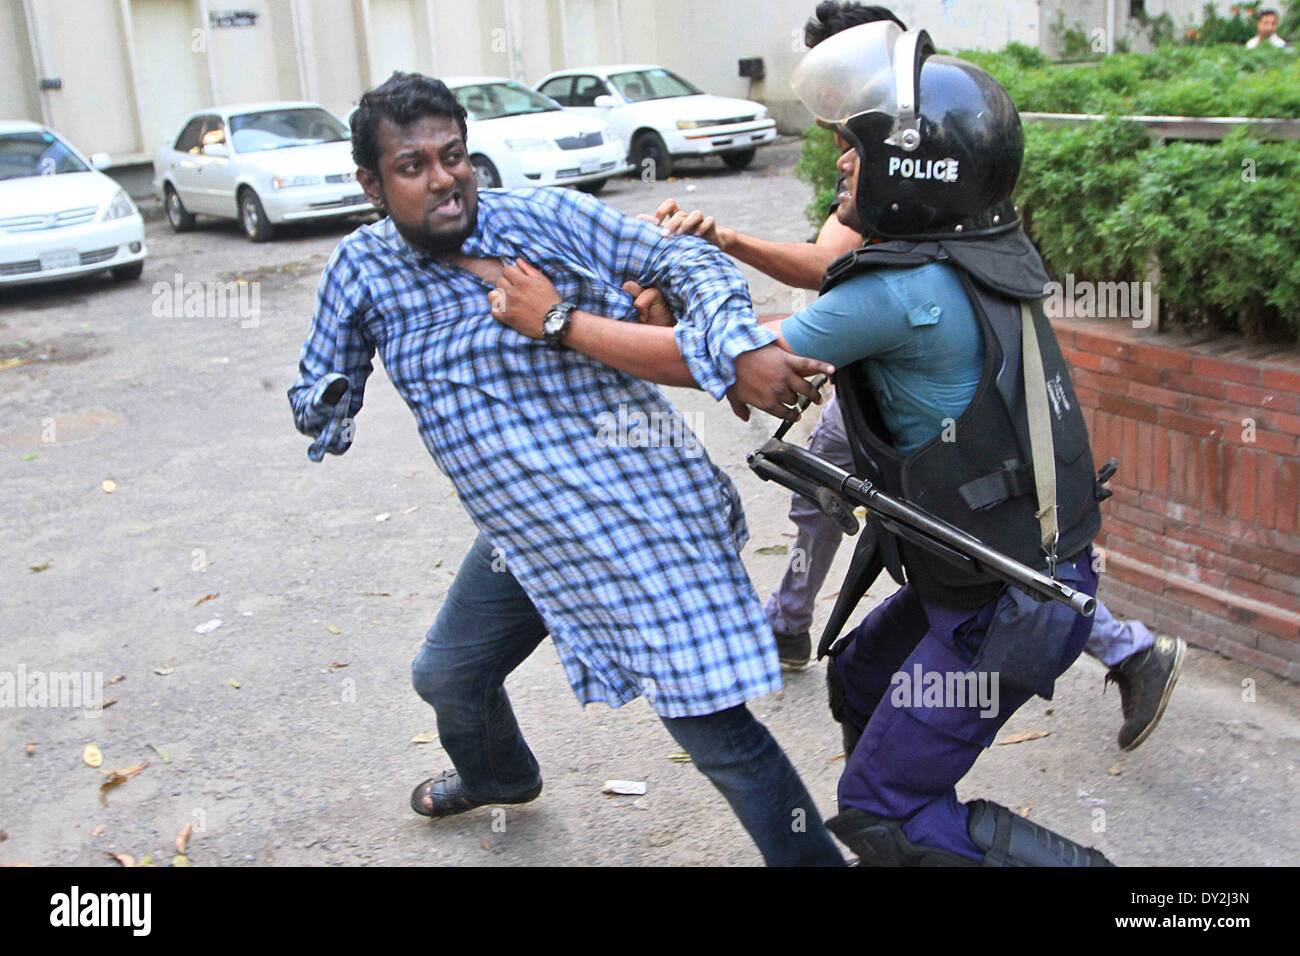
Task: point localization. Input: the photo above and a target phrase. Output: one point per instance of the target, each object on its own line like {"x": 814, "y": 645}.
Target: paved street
{"x": 280, "y": 756}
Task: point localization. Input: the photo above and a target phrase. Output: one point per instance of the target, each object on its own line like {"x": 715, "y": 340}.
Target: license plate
{"x": 354, "y": 200}
{"x": 590, "y": 166}
{"x": 62, "y": 259}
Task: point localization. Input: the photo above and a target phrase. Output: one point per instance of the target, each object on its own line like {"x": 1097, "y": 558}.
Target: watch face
{"x": 553, "y": 322}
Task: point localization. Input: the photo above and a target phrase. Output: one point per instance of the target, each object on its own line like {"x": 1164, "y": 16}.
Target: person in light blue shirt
{"x": 919, "y": 335}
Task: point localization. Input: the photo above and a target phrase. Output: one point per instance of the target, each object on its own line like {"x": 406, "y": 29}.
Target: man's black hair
{"x": 1261, "y": 14}
{"x": 402, "y": 98}
{"x": 833, "y": 16}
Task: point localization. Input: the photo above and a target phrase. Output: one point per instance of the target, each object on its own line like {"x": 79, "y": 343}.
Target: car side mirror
{"x": 216, "y": 149}
{"x": 604, "y": 102}
{"x": 101, "y": 161}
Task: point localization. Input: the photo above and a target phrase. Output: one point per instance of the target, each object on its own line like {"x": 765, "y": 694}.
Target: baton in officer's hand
{"x": 800, "y": 405}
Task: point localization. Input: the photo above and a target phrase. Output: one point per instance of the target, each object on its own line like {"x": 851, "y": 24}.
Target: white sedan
{"x": 262, "y": 164}
{"x": 518, "y": 138}
{"x": 59, "y": 215}
{"x": 662, "y": 116}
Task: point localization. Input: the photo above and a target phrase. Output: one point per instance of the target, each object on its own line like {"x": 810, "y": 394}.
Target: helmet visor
{"x": 850, "y": 73}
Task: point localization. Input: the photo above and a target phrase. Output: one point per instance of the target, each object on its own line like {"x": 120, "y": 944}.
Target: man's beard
{"x": 440, "y": 243}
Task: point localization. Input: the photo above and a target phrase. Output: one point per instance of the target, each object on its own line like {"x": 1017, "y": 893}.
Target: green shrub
{"x": 816, "y": 167}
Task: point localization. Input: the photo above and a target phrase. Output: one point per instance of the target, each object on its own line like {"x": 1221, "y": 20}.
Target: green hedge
{"x": 1172, "y": 81}
{"x": 1102, "y": 201}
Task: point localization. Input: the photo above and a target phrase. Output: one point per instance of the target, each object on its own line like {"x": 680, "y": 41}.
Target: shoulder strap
{"x": 1041, "y": 446}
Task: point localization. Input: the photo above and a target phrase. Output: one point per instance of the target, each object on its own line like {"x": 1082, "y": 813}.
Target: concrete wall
{"x": 132, "y": 68}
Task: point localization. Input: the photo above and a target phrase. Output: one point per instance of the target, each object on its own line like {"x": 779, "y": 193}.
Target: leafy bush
{"x": 816, "y": 167}
{"x": 1104, "y": 201}
{"x": 1222, "y": 220}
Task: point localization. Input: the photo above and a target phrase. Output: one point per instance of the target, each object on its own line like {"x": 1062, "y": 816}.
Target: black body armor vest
{"x": 981, "y": 479}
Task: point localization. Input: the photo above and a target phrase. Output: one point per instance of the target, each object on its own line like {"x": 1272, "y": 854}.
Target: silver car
{"x": 263, "y": 164}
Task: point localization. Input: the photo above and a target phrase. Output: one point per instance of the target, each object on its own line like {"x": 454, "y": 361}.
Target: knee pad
{"x": 879, "y": 841}
{"x": 1008, "y": 839}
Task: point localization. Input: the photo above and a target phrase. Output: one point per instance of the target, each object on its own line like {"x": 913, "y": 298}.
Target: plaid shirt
{"x": 631, "y": 554}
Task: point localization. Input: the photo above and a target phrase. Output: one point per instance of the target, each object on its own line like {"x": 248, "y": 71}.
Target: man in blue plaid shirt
{"x": 626, "y": 551}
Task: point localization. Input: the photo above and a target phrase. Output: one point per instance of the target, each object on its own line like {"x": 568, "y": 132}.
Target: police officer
{"x": 956, "y": 397}
{"x": 1144, "y": 668}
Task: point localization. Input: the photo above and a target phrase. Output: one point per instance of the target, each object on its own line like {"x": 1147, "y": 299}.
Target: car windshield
{"x": 656, "y": 84}
{"x": 489, "y": 101}
{"x": 283, "y": 129}
{"x": 36, "y": 153}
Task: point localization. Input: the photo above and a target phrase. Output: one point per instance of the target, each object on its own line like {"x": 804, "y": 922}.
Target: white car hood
{"x": 705, "y": 106}
{"x": 37, "y": 195}
{"x": 549, "y": 125}
{"x": 323, "y": 159}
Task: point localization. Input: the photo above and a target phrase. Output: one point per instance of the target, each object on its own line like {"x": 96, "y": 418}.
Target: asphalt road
{"x": 277, "y": 755}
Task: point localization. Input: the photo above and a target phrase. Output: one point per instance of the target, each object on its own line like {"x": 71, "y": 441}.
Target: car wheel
{"x": 485, "y": 174}
{"x": 252, "y": 217}
{"x": 739, "y": 159}
{"x": 593, "y": 186}
{"x": 649, "y": 148}
{"x": 128, "y": 272}
{"x": 178, "y": 217}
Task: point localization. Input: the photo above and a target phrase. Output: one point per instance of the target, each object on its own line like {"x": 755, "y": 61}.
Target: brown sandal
{"x": 448, "y": 797}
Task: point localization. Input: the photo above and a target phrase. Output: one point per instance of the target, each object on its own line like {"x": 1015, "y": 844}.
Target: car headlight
{"x": 120, "y": 207}
{"x": 289, "y": 182}
{"x": 530, "y": 145}
{"x": 762, "y": 114}
{"x": 688, "y": 124}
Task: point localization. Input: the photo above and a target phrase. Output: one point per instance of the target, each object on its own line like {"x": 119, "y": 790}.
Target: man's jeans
{"x": 485, "y": 629}
{"x": 790, "y": 608}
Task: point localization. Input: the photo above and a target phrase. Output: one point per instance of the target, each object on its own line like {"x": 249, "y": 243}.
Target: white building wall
{"x": 129, "y": 72}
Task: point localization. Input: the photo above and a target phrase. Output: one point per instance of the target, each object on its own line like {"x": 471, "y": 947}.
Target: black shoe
{"x": 794, "y": 649}
{"x": 1146, "y": 681}
{"x": 449, "y": 798}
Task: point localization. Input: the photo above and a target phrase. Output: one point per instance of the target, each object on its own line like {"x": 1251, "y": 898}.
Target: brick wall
{"x": 1202, "y": 536}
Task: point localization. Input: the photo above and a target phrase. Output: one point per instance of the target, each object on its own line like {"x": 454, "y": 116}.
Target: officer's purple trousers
{"x": 912, "y": 751}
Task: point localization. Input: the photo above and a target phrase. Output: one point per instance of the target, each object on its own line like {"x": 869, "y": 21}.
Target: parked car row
{"x": 267, "y": 164}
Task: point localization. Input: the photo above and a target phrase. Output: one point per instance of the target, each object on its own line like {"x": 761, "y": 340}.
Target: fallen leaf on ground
{"x": 109, "y": 486}
{"x": 38, "y": 568}
{"x": 206, "y": 598}
{"x": 661, "y": 839}
{"x": 1022, "y": 737}
{"x": 680, "y": 758}
{"x": 183, "y": 838}
{"x": 98, "y": 829}
{"x": 411, "y": 510}
{"x": 10, "y": 363}
{"x": 837, "y": 757}
{"x": 92, "y": 756}
{"x": 163, "y": 755}
{"x": 109, "y": 702}
{"x": 234, "y": 683}
{"x": 123, "y": 859}
{"x": 1026, "y": 809}
{"x": 775, "y": 549}
{"x": 1115, "y": 771}
{"x": 115, "y": 680}
{"x": 163, "y": 671}
{"x": 338, "y": 665}
{"x": 624, "y": 788}
{"x": 426, "y": 737}
{"x": 118, "y": 777}
{"x": 30, "y": 456}
{"x": 333, "y": 628}
{"x": 31, "y": 750}
{"x": 181, "y": 860}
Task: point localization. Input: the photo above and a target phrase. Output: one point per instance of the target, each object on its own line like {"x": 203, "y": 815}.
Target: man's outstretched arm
{"x": 334, "y": 363}
{"x": 768, "y": 378}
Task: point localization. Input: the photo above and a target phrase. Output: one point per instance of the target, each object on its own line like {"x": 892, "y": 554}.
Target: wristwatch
{"x": 556, "y": 324}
